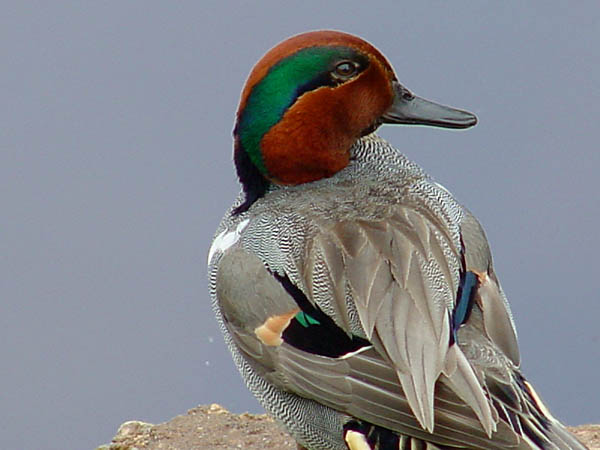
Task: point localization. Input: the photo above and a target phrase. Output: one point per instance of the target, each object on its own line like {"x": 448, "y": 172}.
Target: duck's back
{"x": 339, "y": 300}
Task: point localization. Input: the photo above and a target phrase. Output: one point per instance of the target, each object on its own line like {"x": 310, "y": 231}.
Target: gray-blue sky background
{"x": 115, "y": 169}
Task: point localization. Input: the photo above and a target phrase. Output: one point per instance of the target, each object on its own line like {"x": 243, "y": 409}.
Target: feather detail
{"x": 399, "y": 277}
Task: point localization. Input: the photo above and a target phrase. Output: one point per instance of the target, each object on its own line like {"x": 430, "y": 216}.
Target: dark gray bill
{"x": 410, "y": 109}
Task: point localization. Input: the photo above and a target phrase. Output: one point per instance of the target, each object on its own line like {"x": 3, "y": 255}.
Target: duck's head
{"x": 309, "y": 99}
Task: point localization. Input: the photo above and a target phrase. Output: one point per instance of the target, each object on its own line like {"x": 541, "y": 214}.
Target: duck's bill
{"x": 412, "y": 110}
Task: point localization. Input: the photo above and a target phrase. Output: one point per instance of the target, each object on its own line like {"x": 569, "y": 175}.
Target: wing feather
{"x": 403, "y": 287}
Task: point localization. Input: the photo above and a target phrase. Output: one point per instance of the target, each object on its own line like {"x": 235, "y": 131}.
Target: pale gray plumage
{"x": 379, "y": 248}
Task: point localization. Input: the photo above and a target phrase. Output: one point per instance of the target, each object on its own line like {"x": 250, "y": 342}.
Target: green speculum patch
{"x": 303, "y": 71}
{"x": 306, "y": 320}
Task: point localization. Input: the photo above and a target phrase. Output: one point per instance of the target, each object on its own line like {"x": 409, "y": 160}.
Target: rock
{"x": 205, "y": 427}
{"x": 213, "y": 427}
{"x": 588, "y": 434}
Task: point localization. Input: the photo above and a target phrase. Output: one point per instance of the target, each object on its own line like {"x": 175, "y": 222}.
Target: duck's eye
{"x": 345, "y": 69}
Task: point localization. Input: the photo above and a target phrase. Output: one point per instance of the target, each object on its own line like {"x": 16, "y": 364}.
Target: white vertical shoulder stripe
{"x": 226, "y": 239}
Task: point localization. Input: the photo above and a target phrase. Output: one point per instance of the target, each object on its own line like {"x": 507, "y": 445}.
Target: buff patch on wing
{"x": 270, "y": 332}
{"x": 356, "y": 441}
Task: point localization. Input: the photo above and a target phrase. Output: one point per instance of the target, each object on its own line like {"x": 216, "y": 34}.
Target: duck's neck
{"x": 254, "y": 184}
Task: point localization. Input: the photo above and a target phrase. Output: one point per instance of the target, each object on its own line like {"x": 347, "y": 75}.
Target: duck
{"x": 357, "y": 296}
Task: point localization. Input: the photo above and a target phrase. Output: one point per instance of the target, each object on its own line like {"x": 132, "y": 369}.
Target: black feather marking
{"x": 502, "y": 413}
{"x": 537, "y": 411}
{"x": 513, "y": 420}
{"x": 531, "y": 434}
{"x": 377, "y": 437}
{"x": 322, "y": 336}
{"x": 380, "y": 438}
{"x": 254, "y": 184}
{"x": 506, "y": 394}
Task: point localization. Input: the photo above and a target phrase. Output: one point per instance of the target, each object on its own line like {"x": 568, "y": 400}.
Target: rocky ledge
{"x": 213, "y": 427}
